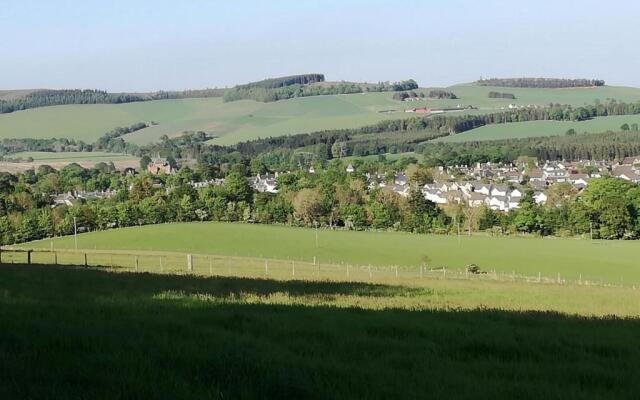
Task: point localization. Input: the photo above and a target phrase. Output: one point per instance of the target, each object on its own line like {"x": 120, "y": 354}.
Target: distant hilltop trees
{"x": 288, "y": 87}
{"x": 498, "y": 95}
{"x": 47, "y": 97}
{"x": 442, "y": 94}
{"x": 551, "y": 83}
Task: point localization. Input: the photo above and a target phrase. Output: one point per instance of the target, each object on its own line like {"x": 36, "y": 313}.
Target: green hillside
{"x": 542, "y": 128}
{"x": 247, "y": 119}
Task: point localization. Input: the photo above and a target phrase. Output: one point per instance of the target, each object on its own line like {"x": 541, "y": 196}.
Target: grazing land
{"x": 97, "y": 334}
{"x": 517, "y": 130}
{"x": 244, "y": 120}
{"x": 604, "y": 261}
{"x": 60, "y": 160}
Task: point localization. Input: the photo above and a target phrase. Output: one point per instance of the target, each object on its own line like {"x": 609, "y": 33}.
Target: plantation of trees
{"x": 441, "y": 94}
{"x": 551, "y": 83}
{"x": 498, "y": 95}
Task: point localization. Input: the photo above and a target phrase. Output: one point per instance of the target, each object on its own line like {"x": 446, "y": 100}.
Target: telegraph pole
{"x": 75, "y": 233}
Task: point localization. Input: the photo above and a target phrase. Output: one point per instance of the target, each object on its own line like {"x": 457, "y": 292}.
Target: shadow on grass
{"x": 73, "y": 333}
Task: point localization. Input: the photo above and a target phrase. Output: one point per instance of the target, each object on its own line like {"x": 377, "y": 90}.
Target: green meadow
{"x": 605, "y": 261}
{"x": 86, "y": 333}
{"x": 517, "y": 130}
{"x": 245, "y": 120}
{"x": 72, "y": 156}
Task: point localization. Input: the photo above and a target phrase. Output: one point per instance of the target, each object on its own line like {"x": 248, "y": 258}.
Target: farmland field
{"x": 60, "y": 160}
{"x": 542, "y": 128}
{"x": 96, "y": 334}
{"x": 244, "y": 120}
{"x": 608, "y": 261}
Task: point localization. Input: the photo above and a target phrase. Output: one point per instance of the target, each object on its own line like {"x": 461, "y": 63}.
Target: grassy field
{"x": 73, "y": 156}
{"x": 542, "y": 128}
{"x": 85, "y": 333}
{"x": 243, "y": 120}
{"x": 608, "y": 261}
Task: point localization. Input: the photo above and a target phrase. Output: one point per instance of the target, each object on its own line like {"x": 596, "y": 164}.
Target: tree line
{"x": 498, "y": 95}
{"x": 441, "y": 94}
{"x": 602, "y": 146}
{"x": 552, "y": 83}
{"x": 608, "y": 208}
{"x": 45, "y": 98}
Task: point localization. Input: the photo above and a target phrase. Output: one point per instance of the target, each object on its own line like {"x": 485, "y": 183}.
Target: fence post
{"x": 190, "y": 262}
{"x": 266, "y": 267}
{"x": 86, "y": 264}
{"x": 347, "y": 271}
{"x": 444, "y": 272}
{"x": 370, "y": 272}
{"x": 210, "y": 266}
{"x": 136, "y": 263}
{"x": 318, "y": 270}
{"x": 396, "y": 271}
{"x": 293, "y": 268}
{"x": 539, "y": 277}
{"x": 161, "y": 266}
{"x": 29, "y": 257}
{"x": 580, "y": 280}
{"x": 314, "y": 260}
{"x": 558, "y": 277}
{"x": 55, "y": 258}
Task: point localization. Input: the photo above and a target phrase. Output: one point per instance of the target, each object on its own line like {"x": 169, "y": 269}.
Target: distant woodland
{"x": 498, "y": 95}
{"x": 44, "y": 98}
{"x": 289, "y": 87}
{"x": 551, "y": 83}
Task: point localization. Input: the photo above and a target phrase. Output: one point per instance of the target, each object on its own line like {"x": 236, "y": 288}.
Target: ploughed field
{"x": 612, "y": 262}
{"x": 244, "y": 120}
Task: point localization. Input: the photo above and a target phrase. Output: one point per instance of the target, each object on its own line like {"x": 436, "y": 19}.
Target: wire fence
{"x": 252, "y": 267}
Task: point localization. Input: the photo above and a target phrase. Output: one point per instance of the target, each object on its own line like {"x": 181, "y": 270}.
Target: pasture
{"x": 606, "y": 261}
{"x": 517, "y": 130}
{"x": 60, "y": 160}
{"x": 89, "y": 333}
{"x": 245, "y": 120}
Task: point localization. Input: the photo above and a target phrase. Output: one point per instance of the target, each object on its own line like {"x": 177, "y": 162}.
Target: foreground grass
{"x": 74, "y": 333}
{"x": 607, "y": 261}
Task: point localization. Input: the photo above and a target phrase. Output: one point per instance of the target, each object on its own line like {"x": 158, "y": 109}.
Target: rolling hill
{"x": 247, "y": 119}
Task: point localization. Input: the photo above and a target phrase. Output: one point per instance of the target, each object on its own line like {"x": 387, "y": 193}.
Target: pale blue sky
{"x": 149, "y": 45}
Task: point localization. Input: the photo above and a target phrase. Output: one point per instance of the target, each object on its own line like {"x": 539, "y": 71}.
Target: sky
{"x": 137, "y": 45}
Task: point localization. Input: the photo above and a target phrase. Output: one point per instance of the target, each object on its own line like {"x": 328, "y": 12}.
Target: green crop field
{"x": 72, "y": 156}
{"x": 542, "y": 128}
{"x": 244, "y": 120}
{"x": 71, "y": 333}
{"x": 608, "y": 261}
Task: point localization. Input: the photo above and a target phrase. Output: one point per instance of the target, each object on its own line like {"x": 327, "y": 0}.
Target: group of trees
{"x": 601, "y": 146}
{"x": 441, "y": 94}
{"x": 47, "y": 97}
{"x": 402, "y": 96}
{"x": 498, "y": 95}
{"x": 540, "y": 82}
{"x": 608, "y": 208}
{"x": 307, "y": 85}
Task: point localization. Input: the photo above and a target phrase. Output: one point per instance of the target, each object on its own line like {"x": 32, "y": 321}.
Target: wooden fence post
{"x": 85, "y": 260}
{"x": 318, "y": 270}
{"x": 55, "y": 258}
{"x": 293, "y": 268}
{"x": 136, "y": 263}
{"x": 539, "y": 277}
{"x": 210, "y": 266}
{"x": 347, "y": 271}
{"x": 266, "y": 267}
{"x": 190, "y": 262}
{"x": 396, "y": 271}
{"x": 29, "y": 257}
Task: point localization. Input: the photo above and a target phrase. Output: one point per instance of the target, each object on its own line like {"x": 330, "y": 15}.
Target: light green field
{"x": 542, "y": 128}
{"x": 73, "y": 156}
{"x": 611, "y": 261}
{"x": 244, "y": 120}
